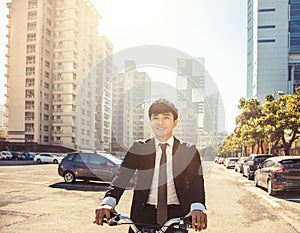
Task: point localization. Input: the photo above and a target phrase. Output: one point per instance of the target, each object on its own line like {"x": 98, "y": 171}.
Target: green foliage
{"x": 275, "y": 121}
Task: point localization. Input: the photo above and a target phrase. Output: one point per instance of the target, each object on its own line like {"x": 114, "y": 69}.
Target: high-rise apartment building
{"x": 2, "y": 117}
{"x": 131, "y": 99}
{"x": 211, "y": 116}
{"x": 104, "y": 75}
{"x": 273, "y": 60}
{"x": 50, "y": 81}
{"x": 190, "y": 85}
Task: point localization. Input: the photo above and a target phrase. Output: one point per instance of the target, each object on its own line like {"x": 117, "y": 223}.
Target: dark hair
{"x": 163, "y": 106}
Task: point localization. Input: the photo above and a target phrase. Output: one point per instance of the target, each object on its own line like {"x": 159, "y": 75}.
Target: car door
{"x": 101, "y": 168}
{"x": 80, "y": 165}
{"x": 265, "y": 170}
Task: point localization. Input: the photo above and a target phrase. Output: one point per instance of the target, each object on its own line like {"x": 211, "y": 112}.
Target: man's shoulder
{"x": 143, "y": 146}
{"x": 186, "y": 146}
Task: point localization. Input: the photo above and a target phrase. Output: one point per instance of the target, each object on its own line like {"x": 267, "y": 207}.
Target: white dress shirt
{"x": 171, "y": 192}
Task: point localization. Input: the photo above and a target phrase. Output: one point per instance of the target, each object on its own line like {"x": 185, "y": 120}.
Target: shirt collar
{"x": 170, "y": 142}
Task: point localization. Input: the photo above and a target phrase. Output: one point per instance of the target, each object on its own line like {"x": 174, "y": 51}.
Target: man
{"x": 153, "y": 201}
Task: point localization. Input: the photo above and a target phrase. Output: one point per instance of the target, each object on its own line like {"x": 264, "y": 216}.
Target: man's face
{"x": 162, "y": 125}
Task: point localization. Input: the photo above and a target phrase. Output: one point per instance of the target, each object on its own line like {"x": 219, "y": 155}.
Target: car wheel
{"x": 55, "y": 161}
{"x": 269, "y": 189}
{"x": 69, "y": 177}
{"x": 38, "y": 161}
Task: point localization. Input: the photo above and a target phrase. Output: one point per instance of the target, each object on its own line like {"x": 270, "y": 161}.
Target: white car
{"x": 6, "y": 155}
{"x": 47, "y": 158}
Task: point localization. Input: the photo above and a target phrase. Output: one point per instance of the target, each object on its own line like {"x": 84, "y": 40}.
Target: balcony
{"x": 58, "y": 121}
{"x": 57, "y": 142}
{"x": 58, "y": 132}
{"x": 58, "y": 99}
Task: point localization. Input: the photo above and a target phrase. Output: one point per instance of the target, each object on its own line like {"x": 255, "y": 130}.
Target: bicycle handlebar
{"x": 180, "y": 223}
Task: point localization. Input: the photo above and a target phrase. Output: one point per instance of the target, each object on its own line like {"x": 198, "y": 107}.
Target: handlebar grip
{"x": 187, "y": 220}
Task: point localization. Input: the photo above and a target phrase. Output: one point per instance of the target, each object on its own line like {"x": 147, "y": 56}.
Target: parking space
{"x": 34, "y": 198}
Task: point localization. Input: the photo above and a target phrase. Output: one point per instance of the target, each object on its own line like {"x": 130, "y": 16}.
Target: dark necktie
{"x": 162, "y": 212}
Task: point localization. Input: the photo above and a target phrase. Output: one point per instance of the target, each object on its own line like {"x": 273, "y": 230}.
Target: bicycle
{"x": 180, "y": 225}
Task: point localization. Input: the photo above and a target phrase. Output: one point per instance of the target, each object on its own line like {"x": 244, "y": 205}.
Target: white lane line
{"x": 29, "y": 182}
{"x": 273, "y": 203}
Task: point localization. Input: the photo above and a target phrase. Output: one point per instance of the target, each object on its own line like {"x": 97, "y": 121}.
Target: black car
{"x": 88, "y": 166}
{"x": 27, "y": 155}
{"x": 251, "y": 164}
{"x": 279, "y": 174}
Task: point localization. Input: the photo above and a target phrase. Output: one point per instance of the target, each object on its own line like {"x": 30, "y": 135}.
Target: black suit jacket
{"x": 140, "y": 158}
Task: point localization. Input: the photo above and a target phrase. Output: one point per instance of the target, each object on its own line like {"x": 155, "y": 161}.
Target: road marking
{"x": 28, "y": 182}
{"x": 273, "y": 203}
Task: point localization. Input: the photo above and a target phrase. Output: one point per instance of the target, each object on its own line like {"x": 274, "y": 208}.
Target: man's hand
{"x": 199, "y": 220}
{"x": 101, "y": 212}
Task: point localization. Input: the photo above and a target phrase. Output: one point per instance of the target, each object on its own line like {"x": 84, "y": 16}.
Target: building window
{"x": 31, "y": 37}
{"x": 46, "y": 85}
{"x": 30, "y": 60}
{"x": 46, "y": 139}
{"x": 30, "y": 71}
{"x": 47, "y": 64}
{"x": 267, "y": 10}
{"x": 46, "y": 117}
{"x": 266, "y": 26}
{"x": 31, "y": 26}
{"x": 30, "y": 49}
{"x": 31, "y": 15}
{"x": 48, "y": 32}
{"x": 266, "y": 41}
{"x": 46, "y": 128}
{"x": 32, "y": 4}
{"x": 46, "y": 106}
{"x": 47, "y": 74}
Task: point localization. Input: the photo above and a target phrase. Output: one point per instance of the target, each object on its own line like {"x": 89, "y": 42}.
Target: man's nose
{"x": 160, "y": 121}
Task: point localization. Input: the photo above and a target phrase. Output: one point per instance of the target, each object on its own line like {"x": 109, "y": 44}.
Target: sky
{"x": 214, "y": 29}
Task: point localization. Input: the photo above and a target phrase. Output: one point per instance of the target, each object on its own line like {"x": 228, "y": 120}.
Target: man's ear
{"x": 176, "y": 122}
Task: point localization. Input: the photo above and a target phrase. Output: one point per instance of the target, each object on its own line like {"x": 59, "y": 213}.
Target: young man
{"x": 160, "y": 194}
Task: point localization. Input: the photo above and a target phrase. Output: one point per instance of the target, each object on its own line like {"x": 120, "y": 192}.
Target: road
{"x": 35, "y": 199}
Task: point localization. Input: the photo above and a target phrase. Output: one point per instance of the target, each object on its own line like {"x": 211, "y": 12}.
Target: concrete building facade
{"x": 131, "y": 99}
{"x": 104, "y": 76}
{"x": 50, "y": 80}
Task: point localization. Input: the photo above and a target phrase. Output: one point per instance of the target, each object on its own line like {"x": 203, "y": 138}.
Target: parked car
{"x": 88, "y": 166}
{"x": 26, "y": 155}
{"x": 221, "y": 160}
{"x": 47, "y": 158}
{"x": 279, "y": 174}
{"x": 238, "y": 166}
{"x": 251, "y": 164}
{"x": 229, "y": 162}
{"x": 6, "y": 155}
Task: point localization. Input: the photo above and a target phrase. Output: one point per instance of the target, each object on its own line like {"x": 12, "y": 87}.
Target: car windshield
{"x": 112, "y": 158}
{"x": 260, "y": 159}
